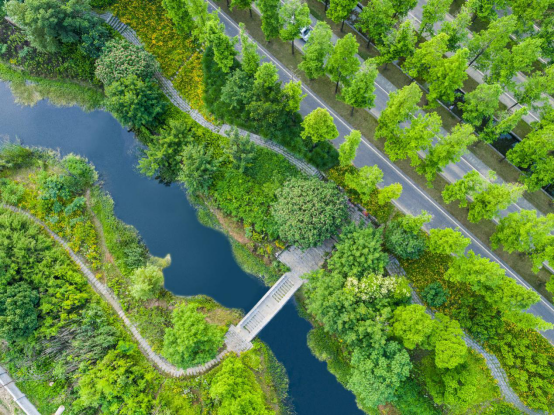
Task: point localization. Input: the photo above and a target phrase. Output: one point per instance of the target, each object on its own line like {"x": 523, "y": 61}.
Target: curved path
{"x": 19, "y": 398}
{"x": 161, "y": 363}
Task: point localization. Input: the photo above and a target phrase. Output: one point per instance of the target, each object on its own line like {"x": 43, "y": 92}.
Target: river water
{"x": 202, "y": 260}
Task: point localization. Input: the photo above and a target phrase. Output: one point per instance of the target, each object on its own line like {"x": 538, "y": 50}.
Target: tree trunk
{"x": 342, "y": 26}
{"x": 338, "y": 80}
{"x": 477, "y": 57}
{"x": 386, "y": 65}
{"x": 250, "y": 10}
{"x": 227, "y": 3}
{"x": 368, "y": 41}
{"x": 292, "y": 46}
{"x": 352, "y": 112}
{"x": 326, "y": 5}
{"x": 516, "y": 103}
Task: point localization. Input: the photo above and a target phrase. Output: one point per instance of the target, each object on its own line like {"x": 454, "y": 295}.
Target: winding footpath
{"x": 105, "y": 292}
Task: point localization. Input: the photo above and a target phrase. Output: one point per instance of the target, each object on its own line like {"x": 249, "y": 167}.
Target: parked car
{"x": 305, "y": 33}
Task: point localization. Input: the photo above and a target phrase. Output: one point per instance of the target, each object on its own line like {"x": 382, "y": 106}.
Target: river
{"x": 202, "y": 260}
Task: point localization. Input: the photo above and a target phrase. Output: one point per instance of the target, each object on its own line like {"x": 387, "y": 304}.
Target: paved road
{"x": 413, "y": 199}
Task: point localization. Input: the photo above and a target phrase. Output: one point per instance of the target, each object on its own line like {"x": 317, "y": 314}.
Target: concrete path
{"x": 6, "y": 382}
{"x": 105, "y": 292}
{"x": 413, "y": 199}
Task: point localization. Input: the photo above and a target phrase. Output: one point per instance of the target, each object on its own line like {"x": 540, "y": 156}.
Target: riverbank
{"x": 114, "y": 257}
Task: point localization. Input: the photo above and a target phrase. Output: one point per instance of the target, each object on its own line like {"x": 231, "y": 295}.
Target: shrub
{"x": 309, "y": 211}
{"x": 121, "y": 59}
{"x": 404, "y": 244}
{"x": 435, "y": 295}
{"x": 359, "y": 252}
{"x": 147, "y": 281}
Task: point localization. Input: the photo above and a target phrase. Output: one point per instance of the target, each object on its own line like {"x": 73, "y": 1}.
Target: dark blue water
{"x": 202, "y": 260}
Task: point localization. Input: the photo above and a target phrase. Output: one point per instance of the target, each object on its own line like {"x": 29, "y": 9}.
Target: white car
{"x": 305, "y": 33}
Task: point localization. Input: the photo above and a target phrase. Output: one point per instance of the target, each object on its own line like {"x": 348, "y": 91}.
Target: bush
{"x": 435, "y": 295}
{"x": 404, "y": 244}
{"x": 309, "y": 211}
{"x": 147, "y": 282}
{"x": 359, "y": 252}
{"x": 121, "y": 59}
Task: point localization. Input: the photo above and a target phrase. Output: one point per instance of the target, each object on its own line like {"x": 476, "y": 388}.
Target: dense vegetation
{"x": 76, "y": 347}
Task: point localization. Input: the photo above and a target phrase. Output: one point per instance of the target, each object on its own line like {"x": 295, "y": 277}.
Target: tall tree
{"x": 506, "y": 124}
{"x": 198, "y": 10}
{"x": 448, "y": 150}
{"x": 178, "y": 12}
{"x": 270, "y": 18}
{"x": 446, "y": 77}
{"x": 364, "y": 180}
{"x": 250, "y": 58}
{"x": 339, "y": 10}
{"x": 536, "y": 154}
{"x": 319, "y": 126}
{"x": 223, "y": 46}
{"x": 347, "y": 150}
{"x": 480, "y": 105}
{"x": 418, "y": 136}
{"x": 402, "y": 103}
{"x": 241, "y": 149}
{"x": 18, "y": 311}
{"x": 388, "y": 193}
{"x": 447, "y": 241}
{"x": 486, "y": 45}
{"x": 316, "y": 50}
{"x": 528, "y": 233}
{"x": 293, "y": 16}
{"x": 360, "y": 92}
{"x": 242, "y": 5}
{"x": 147, "y": 282}
{"x": 198, "y": 166}
{"x": 398, "y": 44}
{"x": 433, "y": 12}
{"x": 472, "y": 183}
{"x": 376, "y": 20}
{"x": 457, "y": 30}
{"x": 292, "y": 94}
{"x": 426, "y": 56}
{"x": 343, "y": 63}
{"x": 402, "y": 7}
{"x": 508, "y": 63}
{"x": 535, "y": 88}
{"x": 529, "y": 11}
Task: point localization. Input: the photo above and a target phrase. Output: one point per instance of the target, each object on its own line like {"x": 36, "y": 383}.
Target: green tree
{"x": 506, "y": 124}
{"x": 147, "y": 282}
{"x": 448, "y": 150}
{"x": 388, "y": 193}
{"x": 198, "y": 166}
{"x": 250, "y": 59}
{"x": 413, "y": 326}
{"x": 402, "y": 7}
{"x": 191, "y": 340}
{"x": 528, "y": 233}
{"x": 418, "y": 136}
{"x": 339, "y": 10}
{"x": 529, "y": 11}
{"x": 343, "y": 63}
{"x": 433, "y": 12}
{"x": 316, "y": 50}
{"x": 486, "y": 45}
{"x": 376, "y": 375}
{"x": 121, "y": 59}
{"x": 480, "y": 105}
{"x": 292, "y": 93}
{"x": 457, "y": 29}
{"x": 399, "y": 43}
{"x": 223, "y": 46}
{"x": 318, "y": 126}
{"x": 435, "y": 295}
{"x": 242, "y": 5}
{"x": 364, "y": 180}
{"x": 413, "y": 224}
{"x": 241, "y": 149}
{"x": 135, "y": 103}
{"x": 49, "y": 24}
{"x": 447, "y": 241}
{"x": 376, "y": 20}
{"x": 426, "y": 56}
{"x": 270, "y": 18}
{"x": 18, "y": 311}
{"x": 360, "y": 92}
{"x": 402, "y": 103}
{"x": 359, "y": 252}
{"x": 198, "y": 10}
{"x": 347, "y": 150}
{"x": 472, "y": 183}
{"x": 447, "y": 76}
{"x": 535, "y": 153}
{"x": 293, "y": 16}
{"x": 509, "y": 62}
{"x": 177, "y": 11}
{"x": 403, "y": 243}
{"x": 448, "y": 342}
{"x": 308, "y": 228}
{"x": 236, "y": 390}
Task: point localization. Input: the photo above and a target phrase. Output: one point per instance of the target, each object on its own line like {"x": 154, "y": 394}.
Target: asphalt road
{"x": 413, "y": 199}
